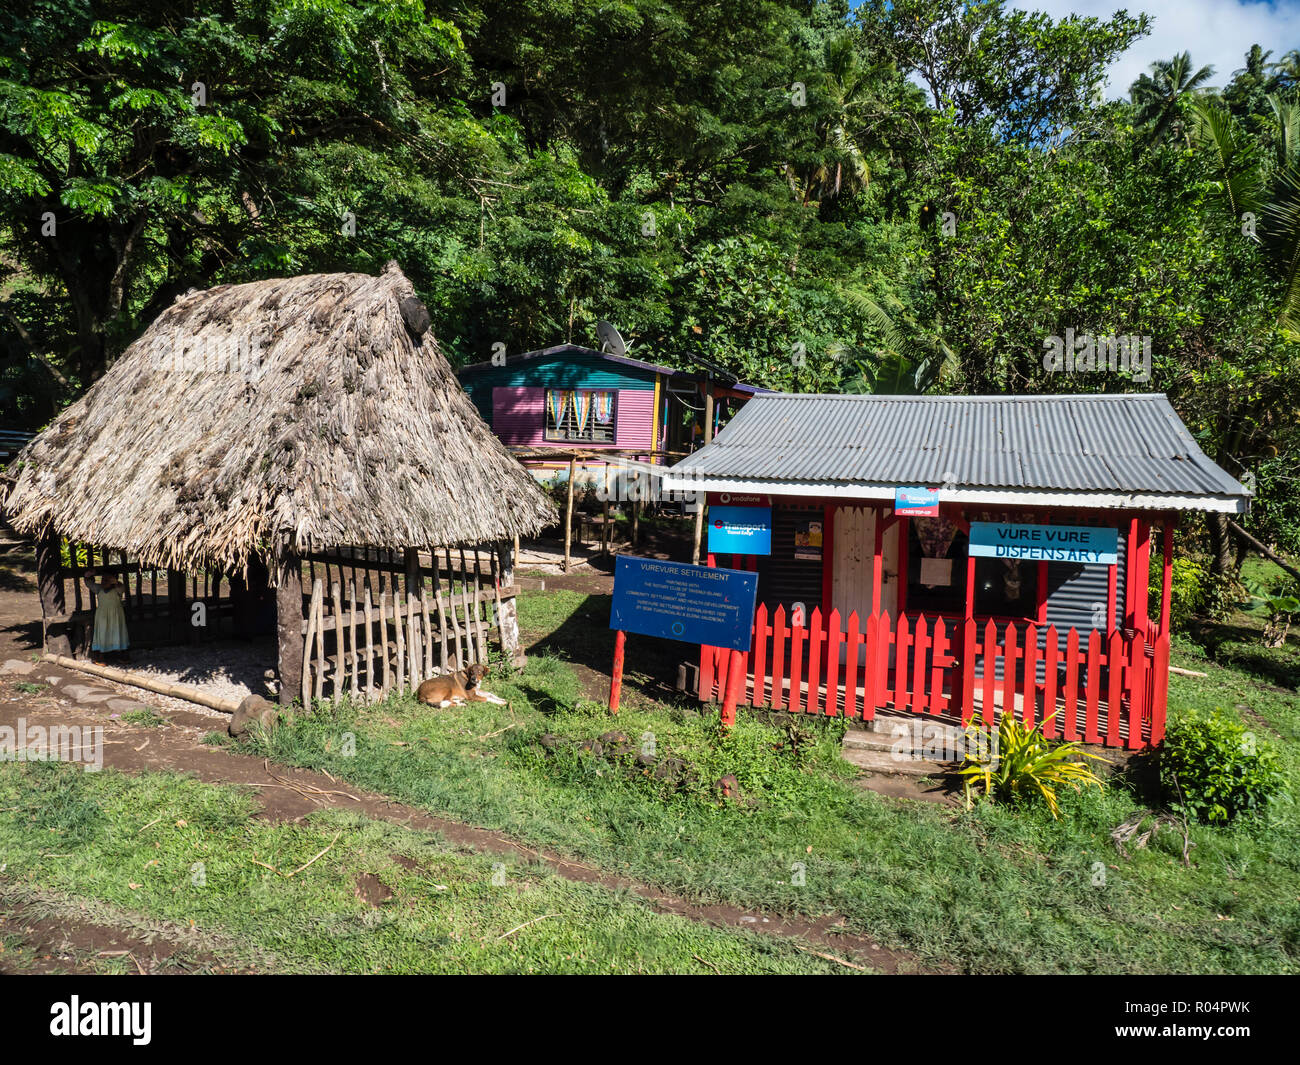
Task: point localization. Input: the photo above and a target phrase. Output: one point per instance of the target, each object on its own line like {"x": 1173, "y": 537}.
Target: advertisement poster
{"x": 808, "y": 541}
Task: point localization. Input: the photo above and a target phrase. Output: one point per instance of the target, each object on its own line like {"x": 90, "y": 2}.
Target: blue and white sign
{"x": 916, "y": 502}
{"x": 679, "y": 601}
{"x": 740, "y": 530}
{"x": 1050, "y": 543}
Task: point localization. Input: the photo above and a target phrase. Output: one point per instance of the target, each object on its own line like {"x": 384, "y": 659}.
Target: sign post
{"x": 616, "y": 674}
{"x": 679, "y": 601}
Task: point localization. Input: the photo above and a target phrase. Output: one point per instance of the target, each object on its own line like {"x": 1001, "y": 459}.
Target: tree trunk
{"x": 50, "y": 584}
{"x": 1221, "y": 553}
{"x": 288, "y": 624}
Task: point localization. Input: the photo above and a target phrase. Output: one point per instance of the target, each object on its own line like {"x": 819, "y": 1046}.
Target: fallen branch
{"x": 525, "y": 925}
{"x": 322, "y": 853}
{"x": 831, "y": 957}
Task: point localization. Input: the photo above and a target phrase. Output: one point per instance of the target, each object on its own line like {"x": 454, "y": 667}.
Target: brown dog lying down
{"x": 456, "y": 689}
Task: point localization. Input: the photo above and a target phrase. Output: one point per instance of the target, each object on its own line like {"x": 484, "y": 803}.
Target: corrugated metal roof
{"x": 622, "y": 360}
{"x": 1088, "y": 444}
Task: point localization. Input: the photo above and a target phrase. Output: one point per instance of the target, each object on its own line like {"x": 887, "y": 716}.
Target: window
{"x": 936, "y": 567}
{"x": 587, "y": 416}
{"x": 1006, "y": 588}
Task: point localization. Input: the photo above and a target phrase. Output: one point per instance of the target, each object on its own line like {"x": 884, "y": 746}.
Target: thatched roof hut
{"x": 281, "y": 416}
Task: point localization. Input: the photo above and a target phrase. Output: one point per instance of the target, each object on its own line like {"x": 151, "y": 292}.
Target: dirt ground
{"x": 73, "y": 943}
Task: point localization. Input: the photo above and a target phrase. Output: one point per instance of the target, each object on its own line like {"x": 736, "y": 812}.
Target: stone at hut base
{"x": 254, "y": 710}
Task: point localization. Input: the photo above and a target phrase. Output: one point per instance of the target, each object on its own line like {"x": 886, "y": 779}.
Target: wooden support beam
{"x": 508, "y": 613}
{"x": 49, "y": 580}
{"x": 568, "y": 515}
{"x": 288, "y": 626}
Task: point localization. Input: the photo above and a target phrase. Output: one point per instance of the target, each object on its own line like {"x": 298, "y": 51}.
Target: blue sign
{"x": 1050, "y": 543}
{"x": 916, "y": 502}
{"x": 740, "y": 530}
{"x": 678, "y": 601}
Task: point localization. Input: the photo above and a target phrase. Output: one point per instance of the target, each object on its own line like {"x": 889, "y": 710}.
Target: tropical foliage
{"x": 911, "y": 195}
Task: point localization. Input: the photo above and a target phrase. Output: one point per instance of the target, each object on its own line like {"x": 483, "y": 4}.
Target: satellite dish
{"x": 610, "y": 341}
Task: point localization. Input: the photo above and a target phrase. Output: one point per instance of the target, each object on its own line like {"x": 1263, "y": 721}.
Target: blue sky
{"x": 1217, "y": 32}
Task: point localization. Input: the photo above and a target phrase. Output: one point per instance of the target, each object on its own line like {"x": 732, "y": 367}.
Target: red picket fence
{"x": 1104, "y": 688}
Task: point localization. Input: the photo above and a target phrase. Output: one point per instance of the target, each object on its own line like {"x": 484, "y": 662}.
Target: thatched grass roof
{"x": 309, "y": 412}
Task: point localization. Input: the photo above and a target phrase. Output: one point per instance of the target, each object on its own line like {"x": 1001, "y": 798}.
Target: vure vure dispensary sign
{"x": 1045, "y": 543}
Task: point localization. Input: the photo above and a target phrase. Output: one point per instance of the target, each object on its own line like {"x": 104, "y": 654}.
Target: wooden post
{"x": 616, "y": 674}
{"x": 352, "y": 632}
{"x": 401, "y": 640}
{"x": 340, "y": 658}
{"x": 49, "y": 579}
{"x": 508, "y": 613}
{"x": 426, "y": 633}
{"x": 383, "y": 643}
{"x": 313, "y": 615}
{"x": 568, "y": 514}
{"x": 606, "y": 537}
{"x": 318, "y": 687}
{"x": 442, "y": 626}
{"x": 412, "y": 572}
{"x": 708, "y": 439}
{"x": 288, "y": 625}
{"x": 370, "y": 648}
{"x": 735, "y": 687}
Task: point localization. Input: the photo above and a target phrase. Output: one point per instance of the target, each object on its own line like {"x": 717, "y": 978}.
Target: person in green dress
{"x": 110, "y": 635}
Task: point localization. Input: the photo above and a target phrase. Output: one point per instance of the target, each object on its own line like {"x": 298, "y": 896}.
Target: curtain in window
{"x": 581, "y": 410}
{"x": 604, "y": 407}
{"x": 557, "y": 404}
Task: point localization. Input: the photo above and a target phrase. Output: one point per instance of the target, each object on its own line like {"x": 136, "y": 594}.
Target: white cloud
{"x": 1217, "y": 32}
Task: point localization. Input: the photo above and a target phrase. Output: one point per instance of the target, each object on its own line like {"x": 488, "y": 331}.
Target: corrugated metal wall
{"x": 634, "y": 419}
{"x": 783, "y": 579}
{"x": 519, "y": 417}
{"x": 518, "y": 414}
{"x": 1073, "y": 592}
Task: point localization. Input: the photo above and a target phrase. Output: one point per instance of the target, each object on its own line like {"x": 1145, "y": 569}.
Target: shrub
{"x": 1024, "y": 763}
{"x": 1213, "y": 769}
{"x": 1187, "y": 592}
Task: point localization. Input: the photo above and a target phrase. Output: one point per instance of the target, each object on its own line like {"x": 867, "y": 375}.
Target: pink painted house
{"x": 572, "y": 397}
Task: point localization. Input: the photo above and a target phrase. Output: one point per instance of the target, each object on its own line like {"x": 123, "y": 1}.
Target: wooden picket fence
{"x": 1103, "y": 688}
{"x": 393, "y": 641}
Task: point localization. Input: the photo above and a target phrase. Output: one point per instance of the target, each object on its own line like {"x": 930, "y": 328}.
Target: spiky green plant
{"x": 1025, "y": 763}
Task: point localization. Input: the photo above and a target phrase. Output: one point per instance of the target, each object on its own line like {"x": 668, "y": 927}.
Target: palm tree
{"x": 912, "y": 357}
{"x": 1268, "y": 188}
{"x": 1163, "y": 96}
{"x": 839, "y": 165}
{"x": 1286, "y": 71}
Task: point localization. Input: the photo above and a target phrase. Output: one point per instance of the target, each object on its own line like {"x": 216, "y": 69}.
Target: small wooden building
{"x": 568, "y": 397}
{"x": 297, "y": 448}
{"x": 1026, "y": 587}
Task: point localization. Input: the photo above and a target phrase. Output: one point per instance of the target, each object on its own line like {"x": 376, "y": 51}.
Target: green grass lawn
{"x": 132, "y": 851}
{"x": 990, "y": 890}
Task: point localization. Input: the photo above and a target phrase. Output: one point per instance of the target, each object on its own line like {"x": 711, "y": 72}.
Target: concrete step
{"x": 897, "y": 745}
{"x": 886, "y": 763}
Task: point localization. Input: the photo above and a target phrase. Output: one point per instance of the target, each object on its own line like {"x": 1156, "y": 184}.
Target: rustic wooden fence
{"x": 158, "y": 603}
{"x": 1103, "y": 688}
{"x": 365, "y": 641}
